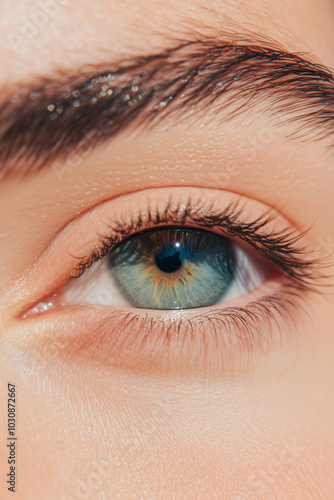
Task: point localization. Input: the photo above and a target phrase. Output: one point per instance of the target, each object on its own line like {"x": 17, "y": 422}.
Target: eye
{"x": 161, "y": 278}
{"x": 172, "y": 268}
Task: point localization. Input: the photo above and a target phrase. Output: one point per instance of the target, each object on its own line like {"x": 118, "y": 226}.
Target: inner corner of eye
{"x": 169, "y": 268}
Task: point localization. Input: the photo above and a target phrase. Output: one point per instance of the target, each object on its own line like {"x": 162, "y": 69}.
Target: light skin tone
{"x": 103, "y": 412}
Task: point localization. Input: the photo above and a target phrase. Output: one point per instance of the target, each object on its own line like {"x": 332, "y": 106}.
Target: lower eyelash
{"x": 226, "y": 334}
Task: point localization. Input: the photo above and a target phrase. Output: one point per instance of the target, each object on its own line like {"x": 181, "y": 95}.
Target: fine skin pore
{"x": 108, "y": 405}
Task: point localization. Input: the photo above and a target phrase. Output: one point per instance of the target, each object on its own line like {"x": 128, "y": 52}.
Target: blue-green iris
{"x": 173, "y": 268}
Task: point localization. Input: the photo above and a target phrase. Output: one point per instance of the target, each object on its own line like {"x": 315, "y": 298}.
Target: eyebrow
{"x": 49, "y": 120}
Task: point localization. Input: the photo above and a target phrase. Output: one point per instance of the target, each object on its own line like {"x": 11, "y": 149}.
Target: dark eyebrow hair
{"x": 74, "y": 113}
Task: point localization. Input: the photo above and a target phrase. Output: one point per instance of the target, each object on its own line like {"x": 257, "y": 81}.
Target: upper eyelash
{"x": 279, "y": 247}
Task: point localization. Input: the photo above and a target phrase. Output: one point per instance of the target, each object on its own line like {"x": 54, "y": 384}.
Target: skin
{"x": 131, "y": 425}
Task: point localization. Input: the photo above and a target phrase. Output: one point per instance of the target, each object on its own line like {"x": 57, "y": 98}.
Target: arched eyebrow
{"x": 55, "y": 118}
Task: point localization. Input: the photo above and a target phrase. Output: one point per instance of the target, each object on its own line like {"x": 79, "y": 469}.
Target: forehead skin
{"x": 247, "y": 439}
{"x": 76, "y": 33}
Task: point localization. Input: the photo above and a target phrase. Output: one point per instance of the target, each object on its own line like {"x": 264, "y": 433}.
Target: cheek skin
{"x": 269, "y": 436}
{"x": 165, "y": 437}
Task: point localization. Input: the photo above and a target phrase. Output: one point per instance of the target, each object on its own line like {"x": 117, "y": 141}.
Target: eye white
{"x": 98, "y": 286}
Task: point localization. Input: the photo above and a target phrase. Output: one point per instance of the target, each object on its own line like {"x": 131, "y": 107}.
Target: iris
{"x": 173, "y": 268}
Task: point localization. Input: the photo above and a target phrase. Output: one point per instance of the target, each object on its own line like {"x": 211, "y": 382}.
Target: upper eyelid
{"x": 100, "y": 214}
{"x": 291, "y": 259}
{"x": 95, "y": 218}
{"x": 195, "y": 191}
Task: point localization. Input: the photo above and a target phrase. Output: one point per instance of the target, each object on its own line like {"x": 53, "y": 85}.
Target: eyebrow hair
{"x": 54, "y": 118}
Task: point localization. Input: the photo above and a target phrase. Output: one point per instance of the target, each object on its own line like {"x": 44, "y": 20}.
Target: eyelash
{"x": 279, "y": 247}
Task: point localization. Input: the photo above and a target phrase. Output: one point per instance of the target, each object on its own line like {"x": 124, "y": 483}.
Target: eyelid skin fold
{"x": 254, "y": 323}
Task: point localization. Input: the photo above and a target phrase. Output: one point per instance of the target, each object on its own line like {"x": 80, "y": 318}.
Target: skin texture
{"x": 247, "y": 424}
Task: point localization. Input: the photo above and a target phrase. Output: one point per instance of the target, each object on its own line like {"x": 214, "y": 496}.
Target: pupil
{"x": 168, "y": 263}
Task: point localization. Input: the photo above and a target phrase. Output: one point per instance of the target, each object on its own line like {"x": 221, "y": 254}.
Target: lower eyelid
{"x": 223, "y": 340}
